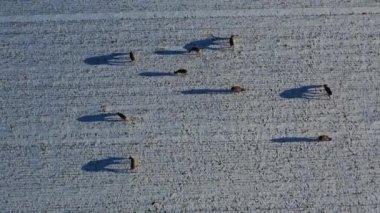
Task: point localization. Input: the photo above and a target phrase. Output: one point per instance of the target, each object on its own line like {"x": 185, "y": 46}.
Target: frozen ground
{"x": 198, "y": 149}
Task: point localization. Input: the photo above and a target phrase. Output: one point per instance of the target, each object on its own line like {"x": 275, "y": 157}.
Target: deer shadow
{"x": 104, "y": 164}
{"x": 109, "y": 117}
{"x": 212, "y": 43}
{"x": 306, "y": 92}
{"x": 170, "y": 52}
{"x": 111, "y": 59}
{"x": 294, "y": 139}
{"x": 206, "y": 91}
{"x": 156, "y": 74}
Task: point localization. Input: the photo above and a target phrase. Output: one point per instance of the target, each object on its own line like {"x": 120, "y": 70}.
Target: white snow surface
{"x": 198, "y": 148}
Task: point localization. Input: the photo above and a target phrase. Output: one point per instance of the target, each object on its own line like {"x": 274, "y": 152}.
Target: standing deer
{"x": 327, "y": 89}
{"x": 195, "y": 49}
{"x": 133, "y": 163}
{"x": 132, "y": 56}
{"x": 324, "y": 138}
{"x": 232, "y": 40}
{"x": 181, "y": 71}
{"x": 237, "y": 89}
{"x": 122, "y": 116}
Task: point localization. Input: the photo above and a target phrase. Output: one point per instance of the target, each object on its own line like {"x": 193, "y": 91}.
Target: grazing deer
{"x": 181, "y": 71}
{"x": 133, "y": 163}
{"x": 327, "y": 89}
{"x": 132, "y": 56}
{"x": 122, "y": 116}
{"x": 324, "y": 138}
{"x": 195, "y": 49}
{"x": 237, "y": 89}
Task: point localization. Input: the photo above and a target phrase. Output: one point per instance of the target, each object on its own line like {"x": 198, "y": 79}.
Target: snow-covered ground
{"x": 199, "y": 149}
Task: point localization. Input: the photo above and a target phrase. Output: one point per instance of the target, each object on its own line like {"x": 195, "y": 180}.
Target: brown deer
{"x": 122, "y": 116}
{"x": 327, "y": 89}
{"x": 181, "y": 71}
{"x": 196, "y": 50}
{"x": 324, "y": 138}
{"x": 232, "y": 40}
{"x": 126, "y": 118}
{"x": 132, "y": 56}
{"x": 237, "y": 89}
{"x": 133, "y": 163}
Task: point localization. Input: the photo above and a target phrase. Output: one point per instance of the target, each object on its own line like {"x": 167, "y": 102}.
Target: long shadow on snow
{"x": 102, "y": 165}
{"x": 206, "y": 91}
{"x": 307, "y": 92}
{"x": 156, "y": 74}
{"x": 170, "y": 52}
{"x": 111, "y": 59}
{"x": 110, "y": 117}
{"x": 294, "y": 139}
{"x": 212, "y": 43}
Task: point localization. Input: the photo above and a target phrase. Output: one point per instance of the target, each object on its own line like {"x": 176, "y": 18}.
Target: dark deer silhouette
{"x": 195, "y": 49}
{"x": 122, "y": 116}
{"x": 327, "y": 89}
{"x": 133, "y": 163}
{"x": 232, "y": 40}
{"x": 237, "y": 89}
{"x": 181, "y": 71}
{"x": 132, "y": 56}
{"x": 324, "y": 138}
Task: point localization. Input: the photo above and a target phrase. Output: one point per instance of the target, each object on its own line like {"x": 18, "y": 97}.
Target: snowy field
{"x": 199, "y": 148}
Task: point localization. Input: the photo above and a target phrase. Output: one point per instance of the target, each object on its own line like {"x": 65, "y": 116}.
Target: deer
{"x": 327, "y": 89}
{"x": 324, "y": 138}
{"x": 196, "y": 50}
{"x": 125, "y": 118}
{"x": 232, "y": 40}
{"x": 122, "y": 116}
{"x": 133, "y": 164}
{"x": 132, "y": 56}
{"x": 237, "y": 89}
{"x": 181, "y": 71}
